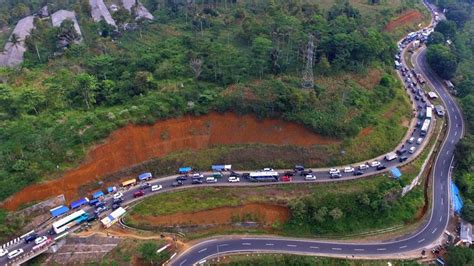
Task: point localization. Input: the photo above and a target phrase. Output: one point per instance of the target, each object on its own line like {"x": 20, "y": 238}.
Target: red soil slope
{"x": 409, "y": 17}
{"x": 133, "y": 144}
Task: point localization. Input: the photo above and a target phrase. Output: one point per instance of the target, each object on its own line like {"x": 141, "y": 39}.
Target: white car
{"x": 349, "y": 169}
{"x": 268, "y": 169}
{"x": 156, "y": 187}
{"x": 3, "y": 252}
{"x": 118, "y": 195}
{"x": 412, "y": 150}
{"x": 310, "y": 177}
{"x": 14, "y": 253}
{"x": 363, "y": 166}
{"x": 375, "y": 163}
{"x": 198, "y": 175}
{"x": 411, "y": 140}
{"x": 233, "y": 179}
{"x": 40, "y": 239}
{"x": 334, "y": 171}
{"x": 211, "y": 179}
{"x": 419, "y": 141}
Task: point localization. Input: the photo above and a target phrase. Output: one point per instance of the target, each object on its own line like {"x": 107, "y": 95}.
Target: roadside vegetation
{"x": 133, "y": 251}
{"x": 294, "y": 260}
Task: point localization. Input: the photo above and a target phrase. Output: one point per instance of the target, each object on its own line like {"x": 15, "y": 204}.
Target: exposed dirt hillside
{"x": 409, "y": 17}
{"x": 134, "y": 144}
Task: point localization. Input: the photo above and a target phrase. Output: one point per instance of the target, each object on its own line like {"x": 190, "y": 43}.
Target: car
{"x": 419, "y": 141}
{"x": 423, "y": 100}
{"x": 412, "y": 150}
{"x": 119, "y": 200}
{"x": 306, "y": 172}
{"x": 348, "y": 169}
{"x": 411, "y": 140}
{"x": 177, "y": 183}
{"x": 197, "y": 175}
{"x": 115, "y": 206}
{"x": 267, "y": 169}
{"x": 310, "y": 177}
{"x": 118, "y": 195}
{"x": 286, "y": 178}
{"x": 91, "y": 218}
{"x": 401, "y": 151}
{"x": 417, "y": 98}
{"x": 418, "y": 123}
{"x": 156, "y": 187}
{"x": 145, "y": 185}
{"x": 181, "y": 178}
{"x": 31, "y": 237}
{"x": 335, "y": 175}
{"x": 334, "y": 171}
{"x": 402, "y": 159}
{"x": 99, "y": 204}
{"x": 211, "y": 179}
{"x": 15, "y": 253}
{"x": 196, "y": 181}
{"x": 3, "y": 252}
{"x": 375, "y": 164}
{"x": 40, "y": 240}
{"x": 101, "y": 210}
{"x": 363, "y": 166}
{"x": 381, "y": 167}
{"x": 358, "y": 172}
{"x": 138, "y": 193}
{"x": 233, "y": 179}
{"x": 298, "y": 168}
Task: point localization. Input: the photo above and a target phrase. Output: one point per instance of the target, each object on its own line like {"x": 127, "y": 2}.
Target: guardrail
{"x": 29, "y": 255}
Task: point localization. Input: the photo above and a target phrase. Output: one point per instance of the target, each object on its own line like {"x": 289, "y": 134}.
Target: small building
{"x": 58, "y": 211}
{"x": 465, "y": 234}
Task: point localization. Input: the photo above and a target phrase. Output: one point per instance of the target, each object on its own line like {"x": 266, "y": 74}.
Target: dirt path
{"x": 135, "y": 144}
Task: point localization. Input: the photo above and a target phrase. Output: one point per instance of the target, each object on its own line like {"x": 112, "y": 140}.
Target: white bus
{"x": 263, "y": 176}
{"x": 69, "y": 221}
{"x": 425, "y": 127}
{"x": 429, "y": 113}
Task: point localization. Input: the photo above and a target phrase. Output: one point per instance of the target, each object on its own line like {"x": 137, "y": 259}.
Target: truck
{"x": 78, "y": 203}
{"x": 391, "y": 156}
{"x": 221, "y": 167}
{"x": 130, "y": 182}
{"x": 425, "y": 127}
{"x": 113, "y": 217}
{"x": 145, "y": 176}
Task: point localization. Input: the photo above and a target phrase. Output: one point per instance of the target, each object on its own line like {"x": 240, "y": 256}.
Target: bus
{"x": 264, "y": 176}
{"x": 429, "y": 113}
{"x": 69, "y": 221}
{"x": 425, "y": 127}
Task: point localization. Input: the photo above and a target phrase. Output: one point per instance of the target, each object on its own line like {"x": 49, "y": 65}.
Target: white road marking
{"x": 314, "y": 247}
{"x": 441, "y": 173}
{"x": 434, "y": 230}
{"x": 223, "y": 245}
{"x": 421, "y": 240}
{"x": 442, "y": 202}
{"x": 447, "y": 152}
{"x": 269, "y": 244}
{"x": 440, "y": 218}
{"x": 336, "y": 248}
{"x": 293, "y": 246}
{"x": 183, "y": 262}
{"x": 403, "y": 247}
{"x": 444, "y": 161}
{"x": 456, "y": 117}
{"x": 359, "y": 249}
{"x": 246, "y": 244}
{"x": 455, "y": 133}
{"x": 202, "y": 250}
{"x": 381, "y": 249}
{"x": 452, "y": 108}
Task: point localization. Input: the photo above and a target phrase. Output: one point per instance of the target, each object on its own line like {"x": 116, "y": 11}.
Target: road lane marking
{"x": 434, "y": 230}
{"x": 246, "y": 244}
{"x": 183, "y": 262}
{"x": 223, "y": 245}
{"x": 269, "y": 244}
{"x": 440, "y": 218}
{"x": 456, "y": 117}
{"x": 336, "y": 248}
{"x": 444, "y": 161}
{"x": 455, "y": 133}
{"x": 421, "y": 240}
{"x": 202, "y": 250}
{"x": 381, "y": 249}
{"x": 289, "y": 245}
{"x": 442, "y": 202}
{"x": 314, "y": 247}
{"x": 447, "y": 152}
{"x": 359, "y": 249}
{"x": 441, "y": 173}
{"x": 403, "y": 246}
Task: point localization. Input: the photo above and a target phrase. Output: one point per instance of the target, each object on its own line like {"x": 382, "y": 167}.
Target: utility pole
{"x": 308, "y": 79}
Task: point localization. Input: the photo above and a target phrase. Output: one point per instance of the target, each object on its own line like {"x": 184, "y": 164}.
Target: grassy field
{"x": 279, "y": 259}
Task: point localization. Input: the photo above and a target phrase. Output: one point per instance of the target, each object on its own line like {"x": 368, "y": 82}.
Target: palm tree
{"x": 15, "y": 39}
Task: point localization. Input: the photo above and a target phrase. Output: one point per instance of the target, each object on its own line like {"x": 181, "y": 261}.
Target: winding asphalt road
{"x": 427, "y": 234}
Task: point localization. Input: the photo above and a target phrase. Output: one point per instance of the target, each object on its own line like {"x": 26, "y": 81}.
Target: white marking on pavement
{"x": 421, "y": 240}
{"x": 223, "y": 245}
{"x": 183, "y": 262}
{"x": 434, "y": 230}
{"x": 381, "y": 249}
{"x": 447, "y": 152}
{"x": 269, "y": 244}
{"x": 403, "y": 247}
{"x": 359, "y": 249}
{"x": 314, "y": 247}
{"x": 442, "y": 202}
{"x": 456, "y": 117}
{"x": 246, "y": 244}
{"x": 455, "y": 133}
{"x": 202, "y": 250}
{"x": 444, "y": 161}
{"x": 440, "y": 218}
{"x": 293, "y": 246}
{"x": 336, "y": 248}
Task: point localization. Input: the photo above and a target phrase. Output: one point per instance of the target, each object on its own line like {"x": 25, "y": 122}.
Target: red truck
{"x": 286, "y": 178}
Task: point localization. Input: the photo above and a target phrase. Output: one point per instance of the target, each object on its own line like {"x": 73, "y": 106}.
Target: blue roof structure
{"x": 97, "y": 194}
{"x": 144, "y": 176}
{"x": 55, "y": 212}
{"x": 395, "y": 172}
{"x": 219, "y": 167}
{"x": 184, "y": 170}
{"x": 79, "y": 203}
{"x": 456, "y": 198}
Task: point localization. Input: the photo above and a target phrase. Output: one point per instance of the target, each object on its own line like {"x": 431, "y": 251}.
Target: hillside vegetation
{"x": 245, "y": 57}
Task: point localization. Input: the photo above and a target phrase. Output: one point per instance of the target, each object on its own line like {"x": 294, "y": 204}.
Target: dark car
{"x": 232, "y": 173}
{"x": 358, "y": 172}
{"x": 92, "y": 218}
{"x": 99, "y": 204}
{"x": 423, "y": 100}
{"x": 100, "y": 210}
{"x": 381, "y": 167}
{"x": 116, "y": 201}
{"x": 418, "y": 123}
{"x": 138, "y": 194}
{"x": 402, "y": 158}
{"x": 401, "y": 151}
{"x": 181, "y": 178}
{"x": 336, "y": 175}
{"x": 417, "y": 98}
{"x": 306, "y": 172}
{"x": 197, "y": 181}
{"x": 115, "y": 206}
{"x": 177, "y": 183}
{"x": 145, "y": 185}
{"x": 298, "y": 168}
{"x": 31, "y": 237}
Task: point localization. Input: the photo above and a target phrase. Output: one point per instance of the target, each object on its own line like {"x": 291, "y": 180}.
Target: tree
{"x": 320, "y": 215}
{"x": 15, "y": 39}
{"x": 459, "y": 16}
{"x": 84, "y": 89}
{"x": 298, "y": 210}
{"x": 122, "y": 16}
{"x": 465, "y": 87}
{"x": 31, "y": 100}
{"x": 436, "y": 38}
{"x": 442, "y": 61}
{"x": 261, "y": 48}
{"x": 447, "y": 28}
{"x": 336, "y": 213}
{"x": 67, "y": 34}
{"x": 468, "y": 212}
{"x": 459, "y": 256}
{"x": 148, "y": 252}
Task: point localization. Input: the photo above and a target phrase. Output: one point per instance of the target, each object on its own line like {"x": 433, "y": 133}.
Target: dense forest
{"x": 451, "y": 55}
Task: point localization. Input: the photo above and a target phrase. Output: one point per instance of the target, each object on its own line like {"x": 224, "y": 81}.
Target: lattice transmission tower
{"x": 308, "y": 79}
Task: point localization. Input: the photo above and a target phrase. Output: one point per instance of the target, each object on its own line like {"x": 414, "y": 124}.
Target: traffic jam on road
{"x": 107, "y": 205}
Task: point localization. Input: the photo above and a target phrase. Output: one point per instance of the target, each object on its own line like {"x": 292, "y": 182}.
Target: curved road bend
{"x": 430, "y": 231}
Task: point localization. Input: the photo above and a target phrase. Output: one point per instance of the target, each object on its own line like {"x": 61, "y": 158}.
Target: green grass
{"x": 285, "y": 259}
